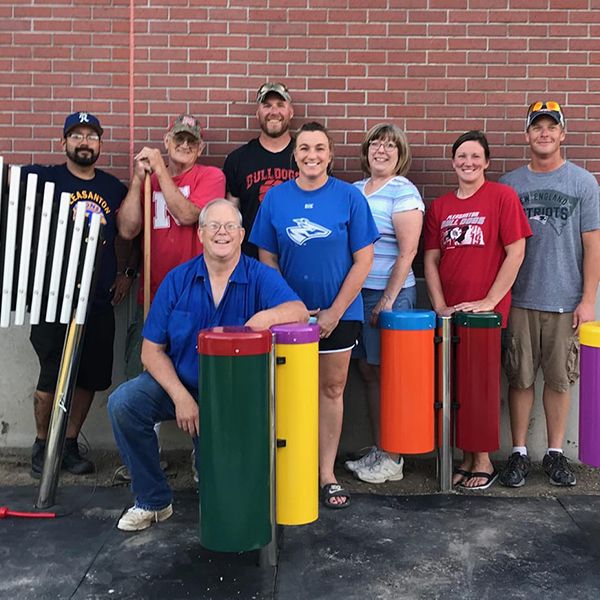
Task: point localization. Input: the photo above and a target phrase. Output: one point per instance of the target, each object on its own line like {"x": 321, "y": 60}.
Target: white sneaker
{"x": 385, "y": 469}
{"x": 368, "y": 459}
{"x": 136, "y": 519}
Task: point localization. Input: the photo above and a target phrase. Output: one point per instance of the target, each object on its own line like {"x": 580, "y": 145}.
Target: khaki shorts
{"x": 537, "y": 339}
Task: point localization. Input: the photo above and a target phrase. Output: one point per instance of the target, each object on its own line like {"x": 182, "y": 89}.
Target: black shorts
{"x": 343, "y": 337}
{"x": 95, "y": 366}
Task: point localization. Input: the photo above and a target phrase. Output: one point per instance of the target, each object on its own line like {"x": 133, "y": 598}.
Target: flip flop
{"x": 464, "y": 474}
{"x": 334, "y": 490}
{"x": 489, "y": 477}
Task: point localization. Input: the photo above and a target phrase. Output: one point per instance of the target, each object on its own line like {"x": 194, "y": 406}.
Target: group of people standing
{"x": 343, "y": 253}
{"x": 527, "y": 248}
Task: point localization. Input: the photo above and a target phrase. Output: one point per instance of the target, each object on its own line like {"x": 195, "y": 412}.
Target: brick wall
{"x": 434, "y": 67}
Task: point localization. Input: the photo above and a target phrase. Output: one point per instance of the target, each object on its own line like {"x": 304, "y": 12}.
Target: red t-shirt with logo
{"x": 471, "y": 234}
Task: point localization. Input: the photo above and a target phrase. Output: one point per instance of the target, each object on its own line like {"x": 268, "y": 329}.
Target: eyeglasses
{"x": 387, "y": 145}
{"x": 550, "y": 105}
{"x": 214, "y": 227}
{"x": 181, "y": 140}
{"x": 79, "y": 137}
{"x": 267, "y": 87}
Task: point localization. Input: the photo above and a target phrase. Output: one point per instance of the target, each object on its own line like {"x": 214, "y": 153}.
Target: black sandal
{"x": 489, "y": 480}
{"x": 464, "y": 474}
{"x": 334, "y": 490}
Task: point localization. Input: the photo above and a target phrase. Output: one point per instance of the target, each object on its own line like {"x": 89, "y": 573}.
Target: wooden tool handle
{"x": 147, "y": 241}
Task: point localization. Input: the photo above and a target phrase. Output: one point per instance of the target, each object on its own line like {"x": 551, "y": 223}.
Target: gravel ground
{"x": 419, "y": 476}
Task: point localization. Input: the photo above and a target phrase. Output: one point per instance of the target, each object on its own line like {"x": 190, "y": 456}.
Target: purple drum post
{"x": 296, "y": 333}
{"x": 589, "y": 394}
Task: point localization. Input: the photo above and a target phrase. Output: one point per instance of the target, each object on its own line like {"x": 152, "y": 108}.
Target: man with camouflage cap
{"x": 264, "y": 162}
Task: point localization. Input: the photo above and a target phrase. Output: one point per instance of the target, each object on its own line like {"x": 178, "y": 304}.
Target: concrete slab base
{"x": 381, "y": 547}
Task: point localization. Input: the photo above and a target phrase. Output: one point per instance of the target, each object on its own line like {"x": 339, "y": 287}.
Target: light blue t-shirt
{"x": 314, "y": 234}
{"x": 397, "y": 195}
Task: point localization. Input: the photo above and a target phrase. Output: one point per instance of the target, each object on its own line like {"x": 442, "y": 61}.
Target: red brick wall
{"x": 434, "y": 67}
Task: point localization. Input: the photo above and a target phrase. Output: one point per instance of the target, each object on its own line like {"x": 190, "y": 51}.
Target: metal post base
{"x": 268, "y": 555}
{"x": 444, "y": 454}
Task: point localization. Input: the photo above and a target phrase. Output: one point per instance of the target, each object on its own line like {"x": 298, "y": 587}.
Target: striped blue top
{"x": 397, "y": 195}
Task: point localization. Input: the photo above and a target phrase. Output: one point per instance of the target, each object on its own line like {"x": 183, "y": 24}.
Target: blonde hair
{"x": 218, "y": 202}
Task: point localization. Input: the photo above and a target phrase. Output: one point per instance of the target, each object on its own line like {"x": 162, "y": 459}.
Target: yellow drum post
{"x": 297, "y": 423}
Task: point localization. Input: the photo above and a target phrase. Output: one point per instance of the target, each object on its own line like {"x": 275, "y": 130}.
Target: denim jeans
{"x": 134, "y": 407}
{"x": 369, "y": 341}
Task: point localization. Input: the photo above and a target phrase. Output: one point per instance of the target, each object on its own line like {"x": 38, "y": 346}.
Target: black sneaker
{"x": 37, "y": 458}
{"x": 558, "y": 470}
{"x": 73, "y": 462}
{"x": 516, "y": 470}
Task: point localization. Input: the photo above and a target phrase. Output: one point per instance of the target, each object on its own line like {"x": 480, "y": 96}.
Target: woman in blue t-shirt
{"x": 398, "y": 209}
{"x": 319, "y": 232}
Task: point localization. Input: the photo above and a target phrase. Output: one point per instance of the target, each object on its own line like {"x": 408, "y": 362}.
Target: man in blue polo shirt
{"x": 219, "y": 287}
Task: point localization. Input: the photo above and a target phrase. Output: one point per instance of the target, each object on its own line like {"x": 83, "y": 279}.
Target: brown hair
{"x": 393, "y": 133}
{"x": 472, "y": 136}
{"x": 315, "y": 126}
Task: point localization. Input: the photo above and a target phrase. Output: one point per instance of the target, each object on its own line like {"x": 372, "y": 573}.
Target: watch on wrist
{"x": 130, "y": 273}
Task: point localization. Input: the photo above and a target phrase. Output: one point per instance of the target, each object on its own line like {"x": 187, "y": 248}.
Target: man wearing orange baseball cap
{"x": 555, "y": 290}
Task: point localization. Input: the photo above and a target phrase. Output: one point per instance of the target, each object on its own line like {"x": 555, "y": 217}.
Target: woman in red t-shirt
{"x": 474, "y": 246}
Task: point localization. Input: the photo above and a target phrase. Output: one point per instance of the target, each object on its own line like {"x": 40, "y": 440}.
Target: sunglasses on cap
{"x": 276, "y": 88}
{"x": 550, "y": 105}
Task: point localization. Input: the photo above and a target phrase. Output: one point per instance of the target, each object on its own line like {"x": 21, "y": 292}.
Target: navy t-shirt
{"x": 103, "y": 194}
{"x": 251, "y": 171}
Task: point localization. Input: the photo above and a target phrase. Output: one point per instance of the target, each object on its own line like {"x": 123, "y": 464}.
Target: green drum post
{"x": 235, "y": 454}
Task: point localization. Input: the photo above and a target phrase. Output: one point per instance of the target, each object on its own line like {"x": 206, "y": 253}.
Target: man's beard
{"x": 277, "y": 133}
{"x": 83, "y": 160}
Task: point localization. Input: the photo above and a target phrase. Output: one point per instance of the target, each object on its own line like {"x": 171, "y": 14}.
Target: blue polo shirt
{"x": 184, "y": 305}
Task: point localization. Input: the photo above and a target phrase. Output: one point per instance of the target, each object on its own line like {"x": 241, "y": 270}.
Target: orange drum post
{"x": 407, "y": 381}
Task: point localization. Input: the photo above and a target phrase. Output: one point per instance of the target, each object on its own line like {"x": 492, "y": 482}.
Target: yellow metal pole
{"x": 63, "y": 396}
